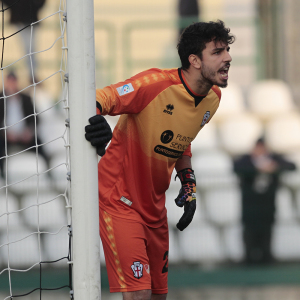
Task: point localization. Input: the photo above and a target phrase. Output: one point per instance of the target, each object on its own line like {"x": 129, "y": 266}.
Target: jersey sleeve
{"x": 188, "y": 151}
{"x": 132, "y": 95}
{"x": 118, "y": 99}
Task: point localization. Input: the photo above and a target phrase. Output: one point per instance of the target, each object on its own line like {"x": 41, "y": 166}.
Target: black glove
{"x": 186, "y": 197}
{"x": 98, "y": 133}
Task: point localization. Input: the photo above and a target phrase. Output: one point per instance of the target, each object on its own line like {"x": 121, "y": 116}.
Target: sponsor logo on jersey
{"x": 137, "y": 269}
{"x": 125, "y": 89}
{"x": 205, "y": 118}
{"x": 167, "y": 151}
{"x": 177, "y": 145}
{"x": 183, "y": 138}
{"x": 169, "y": 109}
{"x": 167, "y": 136}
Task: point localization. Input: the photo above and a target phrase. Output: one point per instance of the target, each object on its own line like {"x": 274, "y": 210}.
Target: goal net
{"x": 44, "y": 159}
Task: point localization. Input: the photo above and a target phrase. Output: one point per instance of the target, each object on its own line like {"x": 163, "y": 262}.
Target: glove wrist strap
{"x": 186, "y": 175}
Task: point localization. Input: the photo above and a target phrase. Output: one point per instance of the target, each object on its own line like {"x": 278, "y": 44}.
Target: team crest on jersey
{"x": 137, "y": 269}
{"x": 125, "y": 89}
{"x": 205, "y": 118}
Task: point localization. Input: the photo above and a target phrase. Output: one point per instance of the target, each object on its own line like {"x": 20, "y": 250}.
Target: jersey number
{"x": 165, "y": 267}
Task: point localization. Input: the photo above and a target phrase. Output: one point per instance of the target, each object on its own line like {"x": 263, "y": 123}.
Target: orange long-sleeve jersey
{"x": 160, "y": 117}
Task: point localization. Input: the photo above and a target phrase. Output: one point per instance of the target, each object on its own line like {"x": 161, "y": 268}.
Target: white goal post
{"x": 84, "y": 180}
{"x": 38, "y": 205}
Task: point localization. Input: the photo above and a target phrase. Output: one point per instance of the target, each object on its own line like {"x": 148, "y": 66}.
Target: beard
{"x": 211, "y": 78}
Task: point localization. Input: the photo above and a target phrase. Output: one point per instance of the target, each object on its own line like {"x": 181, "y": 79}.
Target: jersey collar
{"x": 198, "y": 98}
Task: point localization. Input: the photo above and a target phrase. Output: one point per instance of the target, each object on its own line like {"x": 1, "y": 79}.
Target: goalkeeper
{"x": 161, "y": 111}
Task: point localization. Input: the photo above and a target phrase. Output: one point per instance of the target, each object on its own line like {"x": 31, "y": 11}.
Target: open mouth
{"x": 224, "y": 72}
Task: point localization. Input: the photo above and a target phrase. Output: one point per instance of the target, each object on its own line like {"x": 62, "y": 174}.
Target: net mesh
{"x": 35, "y": 213}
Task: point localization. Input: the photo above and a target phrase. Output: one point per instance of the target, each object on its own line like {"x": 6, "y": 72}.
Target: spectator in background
{"x": 15, "y": 108}
{"x": 259, "y": 174}
{"x": 187, "y": 9}
{"x": 22, "y": 14}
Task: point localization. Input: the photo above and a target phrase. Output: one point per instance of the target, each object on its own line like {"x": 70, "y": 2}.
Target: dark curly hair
{"x": 194, "y": 38}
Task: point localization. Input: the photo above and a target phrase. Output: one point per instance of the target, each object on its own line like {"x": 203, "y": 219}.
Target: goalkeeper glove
{"x": 186, "y": 197}
{"x": 98, "y": 133}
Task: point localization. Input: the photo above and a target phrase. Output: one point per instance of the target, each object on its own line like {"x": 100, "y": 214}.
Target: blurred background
{"x": 226, "y": 253}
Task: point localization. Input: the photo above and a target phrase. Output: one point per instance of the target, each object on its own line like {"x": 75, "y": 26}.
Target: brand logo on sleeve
{"x": 169, "y": 109}
{"x": 125, "y": 89}
{"x": 205, "y": 118}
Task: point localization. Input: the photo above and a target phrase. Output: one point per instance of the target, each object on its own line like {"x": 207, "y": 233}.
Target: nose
{"x": 227, "y": 57}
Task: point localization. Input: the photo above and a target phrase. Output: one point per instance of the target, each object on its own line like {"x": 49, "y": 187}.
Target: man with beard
{"x": 161, "y": 111}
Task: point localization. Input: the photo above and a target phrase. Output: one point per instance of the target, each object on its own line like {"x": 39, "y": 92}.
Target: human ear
{"x": 195, "y": 61}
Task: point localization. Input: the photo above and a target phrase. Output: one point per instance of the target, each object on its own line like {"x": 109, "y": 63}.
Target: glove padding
{"x": 187, "y": 217}
{"x": 98, "y": 133}
{"x": 186, "y": 197}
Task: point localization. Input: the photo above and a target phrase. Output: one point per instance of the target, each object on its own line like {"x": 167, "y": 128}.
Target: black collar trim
{"x": 198, "y": 99}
